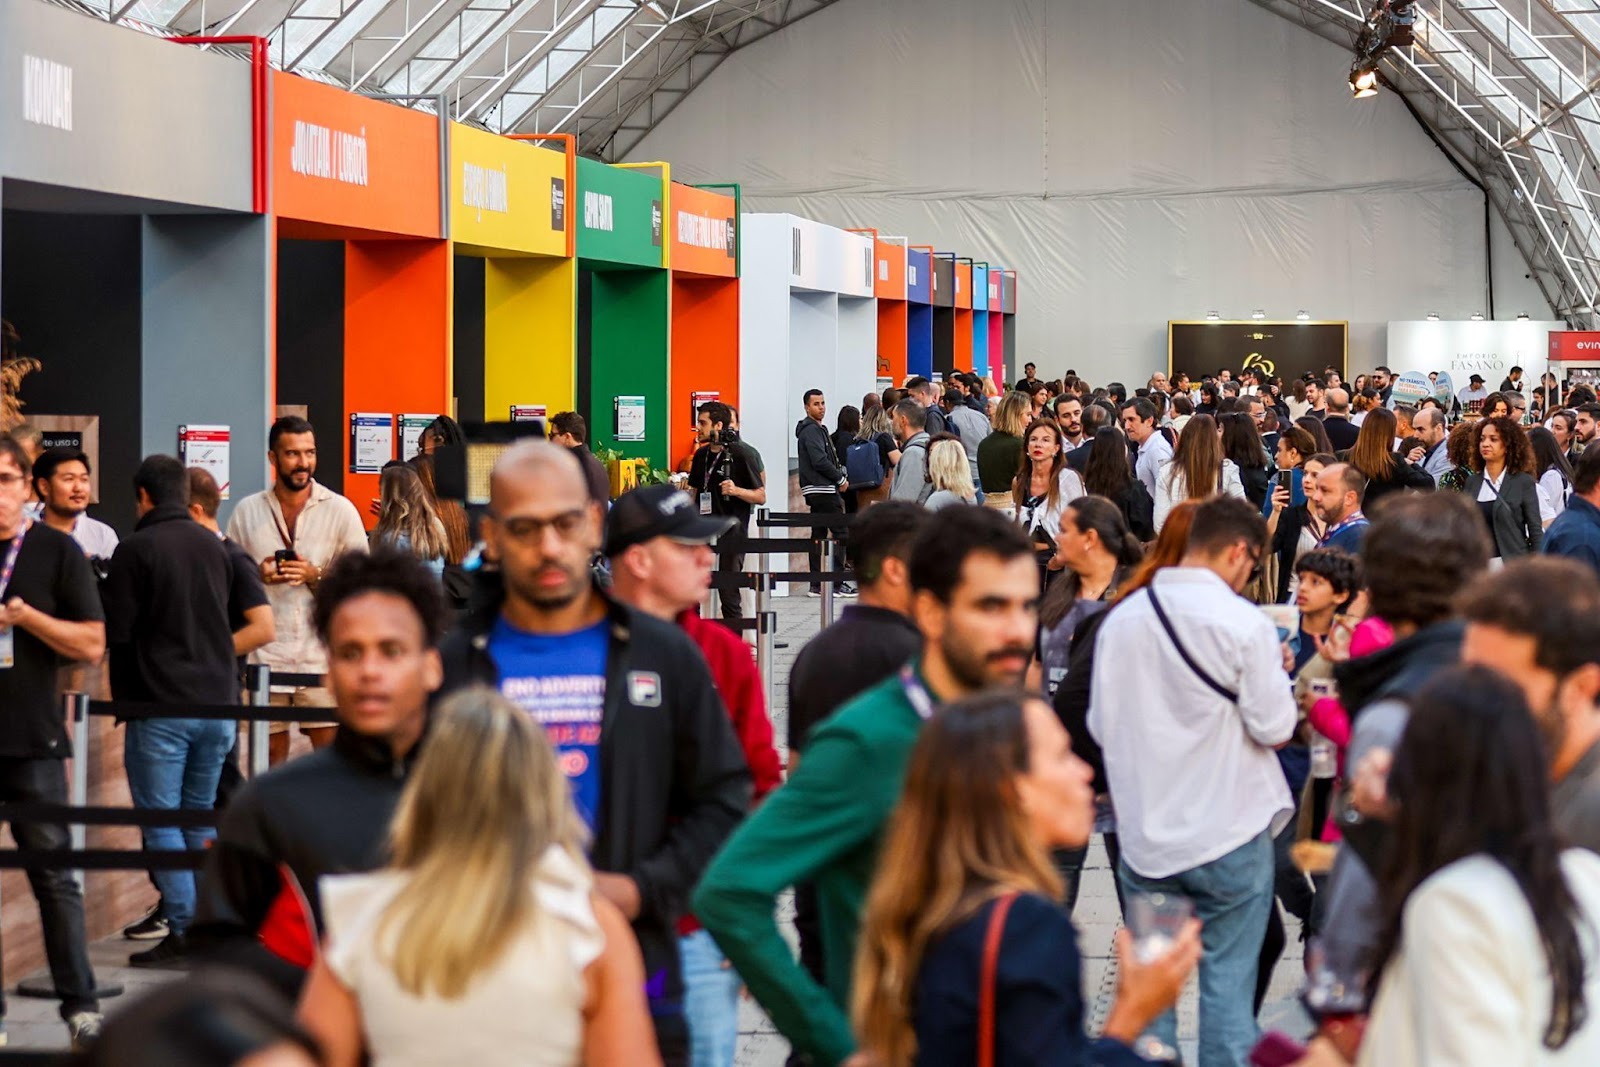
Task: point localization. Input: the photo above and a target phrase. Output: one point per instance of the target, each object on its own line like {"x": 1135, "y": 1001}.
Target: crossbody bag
{"x": 1194, "y": 665}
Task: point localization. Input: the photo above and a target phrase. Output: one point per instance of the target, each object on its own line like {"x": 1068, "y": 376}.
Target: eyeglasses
{"x": 530, "y": 530}
{"x": 1255, "y": 571}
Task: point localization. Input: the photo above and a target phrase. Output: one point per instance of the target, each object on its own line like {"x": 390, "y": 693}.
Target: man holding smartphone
{"x": 294, "y": 530}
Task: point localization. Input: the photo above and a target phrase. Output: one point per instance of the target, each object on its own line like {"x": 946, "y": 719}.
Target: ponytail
{"x": 1130, "y": 551}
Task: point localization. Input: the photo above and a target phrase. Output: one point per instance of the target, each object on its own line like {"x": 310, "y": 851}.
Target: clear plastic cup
{"x": 1156, "y": 920}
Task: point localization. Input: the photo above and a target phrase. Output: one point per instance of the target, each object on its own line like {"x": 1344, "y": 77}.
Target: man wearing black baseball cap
{"x": 659, "y": 547}
{"x": 625, "y": 698}
{"x": 1474, "y": 393}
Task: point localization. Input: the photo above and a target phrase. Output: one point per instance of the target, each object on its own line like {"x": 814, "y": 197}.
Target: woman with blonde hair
{"x": 1000, "y": 453}
{"x": 950, "y": 474}
{"x": 483, "y": 942}
{"x": 406, "y": 518}
{"x": 875, "y": 427}
{"x": 966, "y": 955}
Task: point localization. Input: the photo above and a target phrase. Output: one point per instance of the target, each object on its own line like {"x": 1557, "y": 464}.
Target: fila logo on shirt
{"x": 644, "y": 689}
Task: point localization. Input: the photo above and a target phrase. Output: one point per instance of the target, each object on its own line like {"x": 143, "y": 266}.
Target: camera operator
{"x": 726, "y": 479}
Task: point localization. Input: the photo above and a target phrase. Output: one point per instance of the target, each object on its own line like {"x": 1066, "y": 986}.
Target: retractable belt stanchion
{"x": 258, "y": 694}
{"x": 827, "y": 585}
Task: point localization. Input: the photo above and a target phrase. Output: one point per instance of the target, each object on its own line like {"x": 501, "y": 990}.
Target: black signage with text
{"x": 1287, "y": 350}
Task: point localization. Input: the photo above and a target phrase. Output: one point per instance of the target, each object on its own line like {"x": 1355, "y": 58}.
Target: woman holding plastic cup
{"x": 966, "y": 955}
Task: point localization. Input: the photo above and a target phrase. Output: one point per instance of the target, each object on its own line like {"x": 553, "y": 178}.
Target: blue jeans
{"x": 1232, "y": 896}
{"x": 171, "y": 764}
{"x": 710, "y": 1001}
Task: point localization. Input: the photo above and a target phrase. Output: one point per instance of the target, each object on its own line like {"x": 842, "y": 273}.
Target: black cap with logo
{"x": 652, "y": 511}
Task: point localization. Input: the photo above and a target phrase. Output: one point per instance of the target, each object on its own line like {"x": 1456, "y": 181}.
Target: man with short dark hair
{"x": 823, "y": 479}
{"x": 61, "y": 484}
{"x": 380, "y": 617}
{"x": 294, "y": 530}
{"x": 1317, "y": 397}
{"x": 1576, "y": 532}
{"x": 1028, "y": 383}
{"x": 974, "y": 594}
{"x": 1193, "y": 729}
{"x": 924, "y": 393}
{"x": 569, "y": 430}
{"x": 1139, "y": 422}
{"x": 170, "y": 602}
{"x": 1513, "y": 382}
{"x": 1342, "y": 433}
{"x": 726, "y": 479}
{"x": 1341, "y": 488}
{"x": 909, "y": 422}
{"x": 49, "y": 612}
{"x": 1068, "y": 411}
{"x": 1095, "y": 416}
{"x": 971, "y": 427}
{"x": 1586, "y": 425}
{"x": 1537, "y": 621}
{"x": 1383, "y": 382}
{"x": 626, "y": 699}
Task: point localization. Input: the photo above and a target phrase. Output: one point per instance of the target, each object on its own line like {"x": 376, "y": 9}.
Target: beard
{"x": 297, "y": 478}
{"x": 979, "y": 670}
{"x": 1552, "y": 726}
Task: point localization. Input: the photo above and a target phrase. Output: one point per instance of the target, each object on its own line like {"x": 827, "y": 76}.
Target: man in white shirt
{"x": 293, "y": 531}
{"x": 1188, "y": 701}
{"x": 1139, "y": 421}
{"x": 61, "y": 482}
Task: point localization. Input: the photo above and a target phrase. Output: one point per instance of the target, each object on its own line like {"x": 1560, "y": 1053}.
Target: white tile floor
{"x": 33, "y": 1023}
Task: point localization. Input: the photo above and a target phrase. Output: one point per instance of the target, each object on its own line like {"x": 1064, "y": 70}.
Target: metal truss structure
{"x": 1505, "y": 86}
{"x": 605, "y": 70}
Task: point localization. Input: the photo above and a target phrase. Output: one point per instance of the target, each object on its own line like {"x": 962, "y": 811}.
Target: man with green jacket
{"x": 976, "y": 588}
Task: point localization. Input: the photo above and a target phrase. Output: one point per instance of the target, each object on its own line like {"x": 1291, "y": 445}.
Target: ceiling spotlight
{"x": 1258, "y": 314}
{"x": 1363, "y": 81}
{"x": 1522, "y": 316}
{"x": 1433, "y": 316}
{"x": 1477, "y": 316}
{"x": 1212, "y": 316}
{"x": 1303, "y": 315}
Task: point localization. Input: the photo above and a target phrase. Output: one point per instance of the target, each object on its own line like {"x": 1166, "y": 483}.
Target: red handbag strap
{"x": 991, "y": 964}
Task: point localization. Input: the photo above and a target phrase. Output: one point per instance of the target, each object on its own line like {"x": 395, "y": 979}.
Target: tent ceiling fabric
{"x": 1506, "y": 84}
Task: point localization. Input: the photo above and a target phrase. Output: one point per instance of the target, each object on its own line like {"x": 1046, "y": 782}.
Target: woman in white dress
{"x": 1043, "y": 488}
{"x": 1196, "y": 470}
{"x": 484, "y": 941}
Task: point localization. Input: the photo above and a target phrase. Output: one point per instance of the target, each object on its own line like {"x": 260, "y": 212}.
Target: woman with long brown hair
{"x": 1042, "y": 488}
{"x": 991, "y": 788}
{"x": 1108, "y": 473}
{"x": 406, "y": 518}
{"x": 1385, "y": 469}
{"x": 1197, "y": 469}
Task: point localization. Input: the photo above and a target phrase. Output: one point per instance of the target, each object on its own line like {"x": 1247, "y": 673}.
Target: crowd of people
{"x": 1335, "y": 670}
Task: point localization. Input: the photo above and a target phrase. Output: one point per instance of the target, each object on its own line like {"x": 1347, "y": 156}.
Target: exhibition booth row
{"x": 191, "y": 243}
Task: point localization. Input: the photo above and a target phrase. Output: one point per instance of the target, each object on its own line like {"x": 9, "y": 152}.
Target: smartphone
{"x": 284, "y": 555}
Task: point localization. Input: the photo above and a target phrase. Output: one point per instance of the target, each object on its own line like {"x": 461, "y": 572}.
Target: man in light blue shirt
{"x": 1139, "y": 420}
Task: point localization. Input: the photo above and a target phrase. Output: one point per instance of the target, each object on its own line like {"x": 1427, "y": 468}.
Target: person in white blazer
{"x": 1198, "y": 455}
{"x": 1490, "y": 952}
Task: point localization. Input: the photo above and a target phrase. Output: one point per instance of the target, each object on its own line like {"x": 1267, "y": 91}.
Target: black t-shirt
{"x": 52, "y": 576}
{"x": 846, "y": 659}
{"x": 245, "y": 592}
{"x": 706, "y": 474}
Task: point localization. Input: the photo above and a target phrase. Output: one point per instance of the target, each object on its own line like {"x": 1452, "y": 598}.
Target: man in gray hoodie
{"x": 910, "y": 422}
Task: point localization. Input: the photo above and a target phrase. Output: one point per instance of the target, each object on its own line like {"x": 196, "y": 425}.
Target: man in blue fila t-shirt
{"x": 626, "y": 698}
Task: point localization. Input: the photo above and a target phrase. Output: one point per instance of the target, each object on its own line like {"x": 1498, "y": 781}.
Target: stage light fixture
{"x": 1258, "y": 314}
{"x": 1433, "y": 316}
{"x": 1212, "y": 316}
{"x": 1303, "y": 315}
{"x": 1363, "y": 82}
{"x": 1522, "y": 316}
{"x": 1477, "y": 316}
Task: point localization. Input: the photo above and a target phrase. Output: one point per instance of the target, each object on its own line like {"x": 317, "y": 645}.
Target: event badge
{"x": 8, "y": 652}
{"x": 705, "y": 503}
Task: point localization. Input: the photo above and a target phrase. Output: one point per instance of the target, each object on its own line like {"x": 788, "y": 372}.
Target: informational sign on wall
{"x": 527, "y": 412}
{"x": 206, "y": 447}
{"x": 698, "y": 398}
{"x": 630, "y": 418}
{"x": 371, "y": 441}
{"x": 411, "y": 427}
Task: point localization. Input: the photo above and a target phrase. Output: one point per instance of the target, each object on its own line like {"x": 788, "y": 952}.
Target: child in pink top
{"x": 1328, "y": 715}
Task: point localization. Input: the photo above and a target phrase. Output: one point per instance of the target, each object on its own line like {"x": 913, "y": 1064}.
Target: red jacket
{"x": 733, "y": 669}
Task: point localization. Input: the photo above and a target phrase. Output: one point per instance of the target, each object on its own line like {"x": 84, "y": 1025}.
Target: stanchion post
{"x": 78, "y": 786}
{"x": 766, "y": 635}
{"x": 259, "y": 680}
{"x": 827, "y": 583}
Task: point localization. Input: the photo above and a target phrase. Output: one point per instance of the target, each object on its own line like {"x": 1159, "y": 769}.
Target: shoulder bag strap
{"x": 991, "y": 965}
{"x": 1194, "y": 665}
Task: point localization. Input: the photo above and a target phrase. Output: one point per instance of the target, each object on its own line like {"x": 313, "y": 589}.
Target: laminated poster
{"x": 411, "y": 427}
{"x": 371, "y": 441}
{"x": 696, "y": 399}
{"x": 630, "y": 418}
{"x": 206, "y": 447}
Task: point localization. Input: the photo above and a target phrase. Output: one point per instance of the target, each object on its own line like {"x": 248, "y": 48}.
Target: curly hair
{"x": 1459, "y": 446}
{"x": 1338, "y": 568}
{"x": 384, "y": 570}
{"x": 1519, "y": 450}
